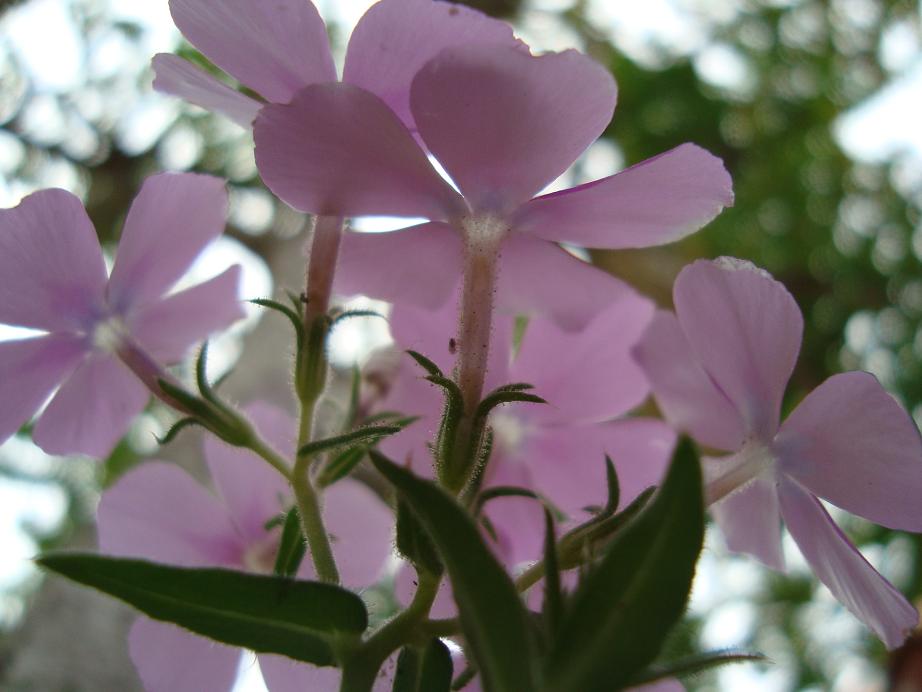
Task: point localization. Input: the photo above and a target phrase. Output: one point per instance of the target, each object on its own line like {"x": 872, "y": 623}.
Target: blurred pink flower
{"x": 199, "y": 528}
{"x": 277, "y": 48}
{"x": 54, "y": 279}
{"x": 719, "y": 368}
{"x": 504, "y": 124}
{"x": 556, "y": 449}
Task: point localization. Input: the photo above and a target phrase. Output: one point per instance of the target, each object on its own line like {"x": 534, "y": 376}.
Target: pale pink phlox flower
{"x": 54, "y": 279}
{"x": 556, "y": 449}
{"x": 719, "y": 368}
{"x": 276, "y": 48}
{"x": 159, "y": 512}
{"x": 504, "y": 124}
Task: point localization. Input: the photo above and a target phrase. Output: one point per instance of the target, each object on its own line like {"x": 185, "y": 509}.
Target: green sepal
{"x": 617, "y": 620}
{"x": 414, "y": 543}
{"x": 427, "y": 670}
{"x": 349, "y": 314}
{"x": 293, "y": 316}
{"x": 175, "y": 429}
{"x": 292, "y": 546}
{"x": 505, "y": 396}
{"x": 614, "y": 488}
{"x": 429, "y": 366}
{"x": 266, "y": 614}
{"x": 494, "y": 620}
{"x": 201, "y": 376}
{"x": 363, "y": 436}
{"x": 696, "y": 663}
{"x": 212, "y": 414}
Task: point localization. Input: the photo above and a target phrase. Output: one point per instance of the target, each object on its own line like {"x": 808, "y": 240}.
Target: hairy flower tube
{"x": 106, "y": 335}
{"x": 719, "y": 368}
{"x": 557, "y": 449}
{"x": 227, "y": 528}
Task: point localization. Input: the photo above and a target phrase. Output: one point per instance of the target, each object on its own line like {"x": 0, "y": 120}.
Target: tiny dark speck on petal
{"x": 452, "y": 11}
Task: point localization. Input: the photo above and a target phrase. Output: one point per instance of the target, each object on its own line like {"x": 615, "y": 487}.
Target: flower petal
{"x": 53, "y": 272}
{"x": 569, "y": 291}
{"x": 745, "y": 330}
{"x": 273, "y": 47}
{"x": 750, "y": 521}
{"x": 418, "y": 266}
{"x": 839, "y": 565}
{"x": 362, "y": 531}
{"x": 29, "y": 370}
{"x": 171, "y": 219}
{"x": 589, "y": 375}
{"x": 851, "y": 443}
{"x": 253, "y": 491}
{"x": 178, "y": 77}
{"x": 654, "y": 202}
{"x": 167, "y": 328}
{"x": 338, "y": 150}
{"x": 395, "y": 38}
{"x": 505, "y": 123}
{"x": 684, "y": 393}
{"x": 171, "y": 659}
{"x": 92, "y": 410}
{"x": 158, "y": 512}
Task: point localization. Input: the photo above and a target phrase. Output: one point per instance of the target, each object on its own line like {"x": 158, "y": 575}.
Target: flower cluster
{"x": 499, "y": 445}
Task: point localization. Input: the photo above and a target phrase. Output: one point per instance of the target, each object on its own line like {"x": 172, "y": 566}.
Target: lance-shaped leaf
{"x": 696, "y": 663}
{"x": 493, "y": 617}
{"x": 266, "y": 614}
{"x": 414, "y": 543}
{"x": 292, "y": 546}
{"x": 361, "y": 436}
{"x": 627, "y": 604}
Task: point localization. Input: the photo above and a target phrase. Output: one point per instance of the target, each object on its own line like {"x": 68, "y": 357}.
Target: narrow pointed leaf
{"x": 498, "y": 398}
{"x": 697, "y": 663}
{"x": 349, "y": 314}
{"x": 414, "y": 543}
{"x": 175, "y": 429}
{"x": 292, "y": 315}
{"x": 266, "y": 614}
{"x": 366, "y": 435}
{"x": 626, "y": 605}
{"x": 552, "y": 609}
{"x": 292, "y": 546}
{"x": 493, "y": 618}
{"x": 614, "y": 488}
{"x": 341, "y": 465}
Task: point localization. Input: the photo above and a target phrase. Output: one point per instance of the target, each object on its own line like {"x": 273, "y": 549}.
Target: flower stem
{"x": 310, "y": 382}
{"x": 360, "y": 670}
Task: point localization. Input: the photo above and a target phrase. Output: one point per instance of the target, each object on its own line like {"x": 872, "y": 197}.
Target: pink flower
{"x": 719, "y": 368}
{"x": 198, "y": 528}
{"x": 504, "y": 124}
{"x": 556, "y": 449}
{"x": 54, "y": 279}
{"x": 277, "y": 48}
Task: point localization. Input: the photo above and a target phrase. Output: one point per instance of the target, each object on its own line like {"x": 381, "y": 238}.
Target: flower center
{"x": 737, "y": 470}
{"x": 109, "y": 335}
{"x": 260, "y": 556}
{"x": 484, "y": 230}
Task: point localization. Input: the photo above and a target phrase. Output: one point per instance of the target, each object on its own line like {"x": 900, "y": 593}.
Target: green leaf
{"x": 627, "y": 604}
{"x": 696, "y": 663}
{"x": 414, "y": 543}
{"x": 366, "y": 435}
{"x": 429, "y": 670}
{"x": 505, "y": 396}
{"x": 552, "y": 609}
{"x": 349, "y": 314}
{"x": 266, "y": 614}
{"x": 426, "y": 364}
{"x": 493, "y": 619}
{"x": 341, "y": 465}
{"x": 614, "y": 488}
{"x": 292, "y": 546}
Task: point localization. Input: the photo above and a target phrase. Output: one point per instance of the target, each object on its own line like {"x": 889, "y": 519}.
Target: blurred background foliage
{"x": 824, "y": 200}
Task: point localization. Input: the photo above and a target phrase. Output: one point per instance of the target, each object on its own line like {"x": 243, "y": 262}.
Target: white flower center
{"x": 738, "y": 470}
{"x": 484, "y": 230}
{"x": 109, "y": 335}
{"x": 509, "y": 433}
{"x": 259, "y": 557}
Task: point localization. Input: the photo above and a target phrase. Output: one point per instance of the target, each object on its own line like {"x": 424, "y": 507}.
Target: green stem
{"x": 258, "y": 446}
{"x": 360, "y": 670}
